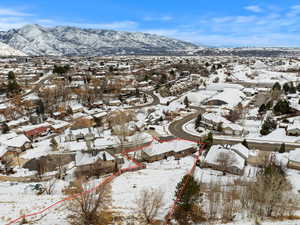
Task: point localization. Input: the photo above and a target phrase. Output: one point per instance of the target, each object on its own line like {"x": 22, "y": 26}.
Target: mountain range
{"x": 35, "y": 40}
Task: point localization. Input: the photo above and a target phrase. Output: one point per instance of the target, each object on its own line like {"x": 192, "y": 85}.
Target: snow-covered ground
{"x": 162, "y": 175}
{"x": 18, "y": 199}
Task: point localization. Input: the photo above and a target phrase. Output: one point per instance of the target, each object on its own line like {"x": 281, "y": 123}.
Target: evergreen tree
{"x": 163, "y": 78}
{"x": 145, "y": 98}
{"x": 61, "y": 69}
{"x": 186, "y": 102}
{"x": 172, "y": 73}
{"x": 104, "y": 156}
{"x": 276, "y": 86}
{"x": 208, "y": 141}
{"x": 282, "y": 107}
{"x": 189, "y": 197}
{"x": 262, "y": 108}
{"x": 220, "y": 127}
{"x": 292, "y": 88}
{"x": 282, "y": 148}
{"x": 198, "y": 121}
{"x": 53, "y": 144}
{"x": 5, "y": 128}
{"x": 13, "y": 87}
{"x": 298, "y": 87}
{"x": 268, "y": 126}
{"x": 245, "y": 143}
{"x": 286, "y": 88}
{"x": 69, "y": 111}
{"x": 11, "y": 76}
{"x": 40, "y": 110}
{"x": 269, "y": 105}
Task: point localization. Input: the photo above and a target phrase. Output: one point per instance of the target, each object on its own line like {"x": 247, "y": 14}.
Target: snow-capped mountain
{"x": 6, "y": 50}
{"x": 64, "y": 40}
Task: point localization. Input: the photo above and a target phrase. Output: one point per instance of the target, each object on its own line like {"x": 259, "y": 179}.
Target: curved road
{"x": 176, "y": 128}
{"x": 155, "y": 101}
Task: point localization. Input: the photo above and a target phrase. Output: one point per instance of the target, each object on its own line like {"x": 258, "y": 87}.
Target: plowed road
{"x": 176, "y": 128}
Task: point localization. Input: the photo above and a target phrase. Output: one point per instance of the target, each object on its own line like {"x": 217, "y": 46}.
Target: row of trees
{"x": 269, "y": 195}
{"x": 281, "y": 107}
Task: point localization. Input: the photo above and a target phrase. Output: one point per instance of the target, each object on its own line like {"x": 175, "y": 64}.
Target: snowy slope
{"x": 5, "y": 50}
{"x": 63, "y": 40}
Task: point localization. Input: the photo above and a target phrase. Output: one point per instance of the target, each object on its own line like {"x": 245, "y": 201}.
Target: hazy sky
{"x": 215, "y": 22}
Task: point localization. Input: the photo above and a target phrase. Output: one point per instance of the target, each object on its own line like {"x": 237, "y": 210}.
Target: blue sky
{"x": 213, "y": 23}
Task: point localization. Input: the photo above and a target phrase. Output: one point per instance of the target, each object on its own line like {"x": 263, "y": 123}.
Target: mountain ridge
{"x": 34, "y": 39}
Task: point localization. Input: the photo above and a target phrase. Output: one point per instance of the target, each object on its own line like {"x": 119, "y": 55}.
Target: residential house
{"x": 293, "y": 129}
{"x": 36, "y": 131}
{"x": 215, "y": 160}
{"x": 167, "y": 149}
{"x": 94, "y": 165}
{"x": 294, "y": 159}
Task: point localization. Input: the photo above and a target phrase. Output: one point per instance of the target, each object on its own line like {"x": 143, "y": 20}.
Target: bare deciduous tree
{"x": 270, "y": 195}
{"x": 119, "y": 121}
{"x": 90, "y": 208}
{"x": 214, "y": 199}
{"x": 226, "y": 160}
{"x": 49, "y": 186}
{"x": 149, "y": 203}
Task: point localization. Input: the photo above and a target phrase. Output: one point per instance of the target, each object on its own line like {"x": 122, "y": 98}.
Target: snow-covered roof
{"x": 160, "y": 148}
{"x": 223, "y": 86}
{"x": 241, "y": 149}
{"x": 233, "y": 126}
{"x": 3, "y": 150}
{"x": 101, "y": 114}
{"x": 86, "y": 158}
{"x": 75, "y": 146}
{"x": 18, "y": 121}
{"x": 76, "y": 107}
{"x": 215, "y": 118}
{"x": 215, "y": 150}
{"x": 32, "y": 127}
{"x": 295, "y": 155}
{"x": 17, "y": 142}
{"x": 295, "y": 126}
{"x": 231, "y": 97}
{"x": 57, "y": 124}
{"x": 5, "y": 137}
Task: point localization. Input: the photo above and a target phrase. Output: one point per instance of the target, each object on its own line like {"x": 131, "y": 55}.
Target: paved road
{"x": 176, "y": 129}
{"x": 155, "y": 101}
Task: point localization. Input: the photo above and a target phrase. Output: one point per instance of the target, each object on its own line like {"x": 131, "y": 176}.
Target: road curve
{"x": 176, "y": 129}
{"x": 155, "y": 101}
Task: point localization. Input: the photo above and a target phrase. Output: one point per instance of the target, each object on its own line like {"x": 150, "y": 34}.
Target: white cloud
{"x": 11, "y": 12}
{"x": 244, "y": 19}
{"x": 163, "y": 32}
{"x": 294, "y": 11}
{"x": 223, "y": 19}
{"x": 254, "y": 8}
{"x": 13, "y": 18}
{"x": 112, "y": 25}
{"x": 46, "y": 21}
{"x": 158, "y": 18}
